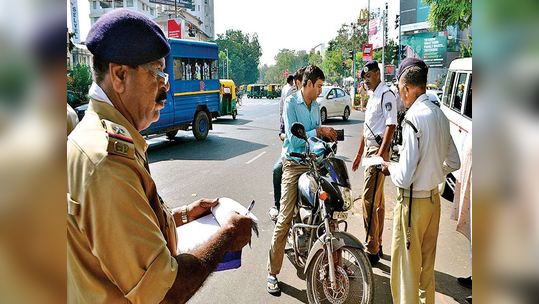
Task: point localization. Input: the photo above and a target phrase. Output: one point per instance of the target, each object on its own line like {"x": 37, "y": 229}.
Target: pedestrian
{"x": 301, "y": 107}
{"x": 278, "y": 167}
{"x": 427, "y": 155}
{"x": 121, "y": 236}
{"x": 380, "y": 122}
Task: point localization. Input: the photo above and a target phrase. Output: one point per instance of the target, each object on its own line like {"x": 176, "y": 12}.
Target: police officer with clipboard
{"x": 380, "y": 122}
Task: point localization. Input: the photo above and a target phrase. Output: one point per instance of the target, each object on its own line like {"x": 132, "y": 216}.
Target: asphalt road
{"x": 236, "y": 161}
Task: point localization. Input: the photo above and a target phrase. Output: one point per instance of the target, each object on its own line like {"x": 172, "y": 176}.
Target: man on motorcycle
{"x": 299, "y": 107}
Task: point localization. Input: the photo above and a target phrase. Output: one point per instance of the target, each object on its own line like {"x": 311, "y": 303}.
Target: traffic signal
{"x": 351, "y": 55}
{"x": 403, "y": 52}
{"x": 191, "y": 32}
{"x": 397, "y": 19}
{"x": 344, "y": 65}
{"x": 395, "y": 55}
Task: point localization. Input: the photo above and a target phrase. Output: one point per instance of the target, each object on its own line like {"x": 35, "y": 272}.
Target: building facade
{"x": 98, "y": 8}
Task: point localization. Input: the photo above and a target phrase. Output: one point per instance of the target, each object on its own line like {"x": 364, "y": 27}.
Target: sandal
{"x": 273, "y": 281}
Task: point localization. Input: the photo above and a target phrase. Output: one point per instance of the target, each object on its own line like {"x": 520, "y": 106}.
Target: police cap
{"x": 408, "y": 63}
{"x": 369, "y": 66}
{"x": 127, "y": 37}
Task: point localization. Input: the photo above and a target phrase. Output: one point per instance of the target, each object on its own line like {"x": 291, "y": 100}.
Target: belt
{"x": 419, "y": 193}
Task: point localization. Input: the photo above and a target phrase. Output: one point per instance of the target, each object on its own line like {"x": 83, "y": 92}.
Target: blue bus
{"x": 193, "y": 98}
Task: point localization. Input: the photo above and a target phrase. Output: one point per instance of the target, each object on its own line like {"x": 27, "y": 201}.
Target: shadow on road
{"x": 230, "y": 121}
{"x": 300, "y": 295}
{"x": 212, "y": 148}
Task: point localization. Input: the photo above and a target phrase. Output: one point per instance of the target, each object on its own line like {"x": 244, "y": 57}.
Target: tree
{"x": 78, "y": 83}
{"x": 466, "y": 51}
{"x": 244, "y": 53}
{"x": 446, "y": 13}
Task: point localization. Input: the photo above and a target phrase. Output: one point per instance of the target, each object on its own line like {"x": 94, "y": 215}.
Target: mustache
{"x": 161, "y": 97}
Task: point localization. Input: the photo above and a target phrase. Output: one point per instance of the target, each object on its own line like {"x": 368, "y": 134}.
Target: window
{"x": 151, "y": 11}
{"x": 468, "y": 106}
{"x": 448, "y": 94}
{"x": 214, "y": 69}
{"x": 94, "y": 4}
{"x": 119, "y": 3}
{"x": 195, "y": 69}
{"x": 129, "y": 3}
{"x": 459, "y": 92}
{"x": 340, "y": 93}
{"x": 105, "y": 3}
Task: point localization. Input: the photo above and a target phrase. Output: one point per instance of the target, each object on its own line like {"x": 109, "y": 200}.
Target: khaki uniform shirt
{"x": 72, "y": 119}
{"x": 121, "y": 238}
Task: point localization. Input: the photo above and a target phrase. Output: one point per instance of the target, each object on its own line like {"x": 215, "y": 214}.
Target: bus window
{"x": 178, "y": 68}
{"x": 214, "y": 69}
{"x": 448, "y": 91}
{"x": 459, "y": 94}
{"x": 468, "y": 107}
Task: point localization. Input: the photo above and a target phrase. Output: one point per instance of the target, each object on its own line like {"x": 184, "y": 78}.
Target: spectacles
{"x": 156, "y": 71}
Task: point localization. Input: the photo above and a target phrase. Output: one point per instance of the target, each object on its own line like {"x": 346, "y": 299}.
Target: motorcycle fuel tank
{"x": 307, "y": 190}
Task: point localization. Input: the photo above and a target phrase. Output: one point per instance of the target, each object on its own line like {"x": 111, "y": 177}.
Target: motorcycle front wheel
{"x": 353, "y": 274}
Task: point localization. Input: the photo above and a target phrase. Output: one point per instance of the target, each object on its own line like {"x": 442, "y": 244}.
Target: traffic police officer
{"x": 121, "y": 237}
{"x": 428, "y": 153}
{"x": 380, "y": 122}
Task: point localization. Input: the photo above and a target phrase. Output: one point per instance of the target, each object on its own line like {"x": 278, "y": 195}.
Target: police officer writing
{"x": 380, "y": 122}
{"x": 427, "y": 155}
{"x": 121, "y": 236}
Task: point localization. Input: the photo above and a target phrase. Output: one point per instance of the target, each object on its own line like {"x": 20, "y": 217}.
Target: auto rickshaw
{"x": 274, "y": 91}
{"x": 258, "y": 90}
{"x": 250, "y": 91}
{"x": 227, "y": 98}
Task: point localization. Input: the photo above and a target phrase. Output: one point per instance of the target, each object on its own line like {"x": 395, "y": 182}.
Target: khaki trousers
{"x": 378, "y": 203}
{"x": 289, "y": 196}
{"x": 412, "y": 271}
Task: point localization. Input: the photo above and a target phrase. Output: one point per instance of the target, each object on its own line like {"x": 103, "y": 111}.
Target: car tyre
{"x": 346, "y": 114}
{"x": 323, "y": 115}
{"x": 201, "y": 125}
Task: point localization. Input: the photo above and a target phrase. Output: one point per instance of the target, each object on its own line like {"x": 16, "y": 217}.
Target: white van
{"x": 457, "y": 105}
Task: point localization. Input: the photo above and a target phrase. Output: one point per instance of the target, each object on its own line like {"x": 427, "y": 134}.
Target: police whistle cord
{"x": 409, "y": 217}
{"x": 372, "y": 207}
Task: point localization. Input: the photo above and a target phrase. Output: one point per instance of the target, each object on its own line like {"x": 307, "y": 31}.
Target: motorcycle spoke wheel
{"x": 354, "y": 279}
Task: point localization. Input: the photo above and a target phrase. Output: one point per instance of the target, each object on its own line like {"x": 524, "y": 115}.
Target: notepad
{"x": 197, "y": 232}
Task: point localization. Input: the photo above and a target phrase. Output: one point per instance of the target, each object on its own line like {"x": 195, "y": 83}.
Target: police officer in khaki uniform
{"x": 121, "y": 237}
{"x": 380, "y": 122}
{"x": 428, "y": 153}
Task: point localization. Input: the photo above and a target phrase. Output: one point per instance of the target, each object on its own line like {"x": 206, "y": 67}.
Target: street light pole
{"x": 226, "y": 63}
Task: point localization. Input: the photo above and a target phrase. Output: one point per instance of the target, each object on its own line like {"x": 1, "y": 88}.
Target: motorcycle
{"x": 335, "y": 264}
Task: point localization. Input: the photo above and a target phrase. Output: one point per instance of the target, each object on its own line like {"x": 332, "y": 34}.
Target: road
{"x": 236, "y": 161}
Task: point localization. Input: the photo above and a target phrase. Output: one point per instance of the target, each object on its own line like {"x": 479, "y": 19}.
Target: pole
{"x": 384, "y": 33}
{"x": 227, "y": 63}
{"x": 399, "y": 61}
{"x": 175, "y": 8}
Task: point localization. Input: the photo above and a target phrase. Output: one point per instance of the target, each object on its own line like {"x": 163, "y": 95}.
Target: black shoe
{"x": 469, "y": 299}
{"x": 466, "y": 282}
{"x": 380, "y": 252}
{"x": 373, "y": 258}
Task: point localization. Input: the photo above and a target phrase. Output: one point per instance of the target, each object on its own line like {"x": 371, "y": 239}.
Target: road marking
{"x": 255, "y": 158}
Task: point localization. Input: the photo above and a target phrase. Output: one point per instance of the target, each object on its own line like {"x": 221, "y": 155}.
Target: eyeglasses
{"x": 156, "y": 71}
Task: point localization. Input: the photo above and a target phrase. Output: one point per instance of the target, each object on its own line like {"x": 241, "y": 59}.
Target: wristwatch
{"x": 184, "y": 214}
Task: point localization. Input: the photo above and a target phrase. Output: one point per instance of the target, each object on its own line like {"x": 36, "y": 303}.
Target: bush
{"x": 78, "y": 84}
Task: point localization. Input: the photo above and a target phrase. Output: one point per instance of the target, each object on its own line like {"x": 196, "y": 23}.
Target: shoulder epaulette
{"x": 120, "y": 141}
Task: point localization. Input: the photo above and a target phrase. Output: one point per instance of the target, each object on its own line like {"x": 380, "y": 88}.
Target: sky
{"x": 280, "y": 24}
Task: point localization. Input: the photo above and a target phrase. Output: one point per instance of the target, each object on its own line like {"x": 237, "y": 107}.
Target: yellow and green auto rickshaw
{"x": 227, "y": 98}
{"x": 274, "y": 91}
{"x": 258, "y": 90}
{"x": 250, "y": 91}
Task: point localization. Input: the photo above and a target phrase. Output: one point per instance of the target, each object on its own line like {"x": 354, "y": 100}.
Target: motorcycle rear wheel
{"x": 354, "y": 278}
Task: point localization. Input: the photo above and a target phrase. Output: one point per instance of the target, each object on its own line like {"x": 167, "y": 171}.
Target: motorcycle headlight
{"x": 346, "y": 195}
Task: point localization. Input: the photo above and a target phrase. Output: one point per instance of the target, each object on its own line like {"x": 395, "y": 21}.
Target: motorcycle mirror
{"x": 298, "y": 130}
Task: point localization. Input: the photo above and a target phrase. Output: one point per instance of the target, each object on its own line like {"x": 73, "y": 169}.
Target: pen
{"x": 250, "y": 207}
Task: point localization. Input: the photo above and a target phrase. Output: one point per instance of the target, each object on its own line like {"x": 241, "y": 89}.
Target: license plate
{"x": 338, "y": 215}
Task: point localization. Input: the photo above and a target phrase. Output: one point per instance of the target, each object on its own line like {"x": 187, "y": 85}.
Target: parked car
{"x": 334, "y": 102}
{"x": 435, "y": 96}
{"x": 81, "y": 110}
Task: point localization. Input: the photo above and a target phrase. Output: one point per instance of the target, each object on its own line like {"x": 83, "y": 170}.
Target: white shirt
{"x": 436, "y": 156}
{"x": 97, "y": 93}
{"x": 380, "y": 113}
{"x": 285, "y": 92}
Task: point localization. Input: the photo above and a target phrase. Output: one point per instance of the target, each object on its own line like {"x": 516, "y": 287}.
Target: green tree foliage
{"x": 445, "y": 13}
{"x": 78, "y": 83}
{"x": 389, "y": 52}
{"x": 244, "y": 53}
{"x": 466, "y": 51}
